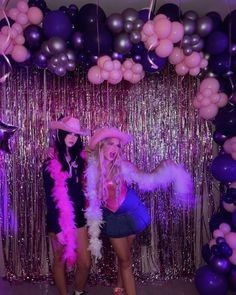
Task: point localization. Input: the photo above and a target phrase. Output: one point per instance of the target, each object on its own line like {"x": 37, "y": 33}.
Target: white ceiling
{"x": 110, "y": 6}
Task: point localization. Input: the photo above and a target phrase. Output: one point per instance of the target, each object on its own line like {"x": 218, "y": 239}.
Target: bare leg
{"x": 119, "y": 279}
{"x": 122, "y": 249}
{"x": 58, "y": 267}
{"x": 83, "y": 259}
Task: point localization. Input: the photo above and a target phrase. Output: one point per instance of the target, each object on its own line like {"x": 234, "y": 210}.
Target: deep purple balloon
{"x": 220, "y": 64}
{"x": 217, "y": 42}
{"x": 232, "y": 49}
{"x": 206, "y": 253}
{"x": 57, "y": 24}
{"x": 137, "y": 58}
{"x": 204, "y": 26}
{"x": 216, "y": 19}
{"x": 232, "y": 278}
{"x": 191, "y": 14}
{"x": 90, "y": 16}
{"x": 218, "y": 218}
{"x": 78, "y": 40}
{"x": 209, "y": 282}
{"x": 40, "y": 60}
{"x": 220, "y": 264}
{"x": 172, "y": 11}
{"x": 138, "y": 48}
{"x": 225, "y": 85}
{"x": 219, "y": 138}
{"x": 152, "y": 63}
{"x": 118, "y": 56}
{"x": 225, "y": 249}
{"x": 225, "y": 120}
{"x": 144, "y": 14}
{"x": 230, "y": 24}
{"x": 33, "y": 36}
{"x": 38, "y": 3}
{"x": 98, "y": 43}
{"x": 223, "y": 168}
{"x": 63, "y": 9}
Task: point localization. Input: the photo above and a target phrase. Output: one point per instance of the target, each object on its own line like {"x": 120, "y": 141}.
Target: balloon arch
{"x": 127, "y": 46}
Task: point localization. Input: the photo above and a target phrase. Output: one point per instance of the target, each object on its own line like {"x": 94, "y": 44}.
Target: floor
{"x": 175, "y": 287}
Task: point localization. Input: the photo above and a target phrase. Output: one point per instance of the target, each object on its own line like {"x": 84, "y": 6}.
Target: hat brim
{"x": 62, "y": 126}
{"x": 102, "y": 134}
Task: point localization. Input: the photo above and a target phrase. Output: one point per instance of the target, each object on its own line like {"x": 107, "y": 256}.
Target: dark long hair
{"x": 74, "y": 151}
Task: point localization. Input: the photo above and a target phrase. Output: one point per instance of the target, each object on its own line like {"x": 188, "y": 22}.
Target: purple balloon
{"x": 138, "y": 48}
{"x": 209, "y": 282}
{"x": 223, "y": 168}
{"x": 118, "y": 56}
{"x": 220, "y": 264}
{"x": 172, "y": 11}
{"x": 216, "y": 19}
{"x": 217, "y": 42}
{"x": 40, "y": 60}
{"x": 225, "y": 120}
{"x": 122, "y": 43}
{"x": 152, "y": 63}
{"x": 90, "y": 16}
{"x": 33, "y": 36}
{"x": 219, "y": 138}
{"x": 145, "y": 14}
{"x": 78, "y": 40}
{"x": 232, "y": 278}
{"x": 230, "y": 24}
{"x": 220, "y": 64}
{"x": 57, "y": 24}
{"x": 137, "y": 58}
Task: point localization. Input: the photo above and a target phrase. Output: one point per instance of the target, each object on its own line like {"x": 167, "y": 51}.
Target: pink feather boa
{"x": 67, "y": 236}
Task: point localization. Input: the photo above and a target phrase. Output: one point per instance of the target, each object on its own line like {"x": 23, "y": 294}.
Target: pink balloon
{"x": 19, "y": 53}
{"x": 181, "y": 69}
{"x": 211, "y": 83}
{"x": 159, "y": 16}
{"x": 192, "y": 60}
{"x": 218, "y": 233}
{"x": 104, "y": 74}
{"x": 137, "y": 68}
{"x": 20, "y": 40}
{"x": 212, "y": 242}
{"x": 208, "y": 112}
{"x": 196, "y": 103}
{"x": 194, "y": 71}
{"x": 5, "y": 43}
{"x": 94, "y": 75}
{"x": 233, "y": 155}
{"x": 162, "y": 28}
{"x": 230, "y": 238}
{"x": 108, "y": 66}
{"x": 232, "y": 258}
{"x": 200, "y": 96}
{"x": 148, "y": 28}
{"x": 13, "y": 33}
{"x": 223, "y": 100}
{"x": 22, "y": 19}
{"x": 13, "y": 12}
{"x": 35, "y": 15}
{"x": 225, "y": 228}
{"x": 215, "y": 97}
{"x": 116, "y": 75}
{"x": 6, "y": 30}
{"x": 102, "y": 59}
{"x": 207, "y": 92}
{"x": 233, "y": 146}
{"x": 135, "y": 79}
{"x": 152, "y": 42}
{"x": 127, "y": 64}
{"x": 177, "y": 32}
{"x": 128, "y": 74}
{"x": 176, "y": 56}
{"x": 203, "y": 63}
{"x": 22, "y": 6}
{"x": 227, "y": 146}
{"x": 116, "y": 64}
{"x": 144, "y": 37}
{"x": 229, "y": 207}
{"x": 206, "y": 102}
{"x": 165, "y": 48}
{"x": 17, "y": 27}
{"x": 233, "y": 184}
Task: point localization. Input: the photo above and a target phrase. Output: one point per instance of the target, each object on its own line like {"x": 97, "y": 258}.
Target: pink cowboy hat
{"x": 106, "y": 132}
{"x": 69, "y": 124}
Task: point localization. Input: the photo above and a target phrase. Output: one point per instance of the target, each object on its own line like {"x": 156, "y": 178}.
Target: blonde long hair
{"x": 103, "y": 176}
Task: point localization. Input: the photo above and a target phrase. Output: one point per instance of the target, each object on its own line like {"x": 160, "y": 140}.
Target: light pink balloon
{"x": 233, "y": 146}
{"x": 105, "y": 74}
{"x": 94, "y": 75}
{"x": 22, "y": 6}
{"x": 144, "y": 37}
{"x": 162, "y": 28}
{"x": 212, "y": 242}
{"x": 205, "y": 102}
{"x": 20, "y": 40}
{"x": 208, "y": 112}
{"x": 233, "y": 155}
{"x": 176, "y": 56}
{"x": 227, "y": 146}
{"x": 19, "y": 53}
{"x": 218, "y": 233}
{"x": 22, "y": 19}
{"x": 127, "y": 64}
{"x": 233, "y": 184}
{"x": 152, "y": 42}
{"x": 17, "y": 27}
{"x": 203, "y": 63}
{"x": 211, "y": 83}
{"x": 13, "y": 33}
{"x": 165, "y": 48}
{"x": 108, "y": 66}
{"x": 137, "y": 68}
{"x": 229, "y": 207}
{"x": 207, "y": 92}
{"x": 148, "y": 28}
{"x": 196, "y": 103}
{"x": 128, "y": 74}
{"x": 225, "y": 228}
{"x": 200, "y": 96}
{"x": 159, "y": 16}
{"x": 35, "y": 15}
{"x": 116, "y": 64}
{"x": 230, "y": 238}
{"x": 193, "y": 60}
{"x": 116, "y": 75}
{"x": 232, "y": 258}
{"x": 177, "y": 32}
{"x": 6, "y": 30}
{"x": 194, "y": 71}
{"x": 181, "y": 69}
{"x": 102, "y": 59}
{"x": 135, "y": 78}
{"x": 223, "y": 100}
{"x": 5, "y": 42}
{"x": 214, "y": 97}
{"x": 13, "y": 12}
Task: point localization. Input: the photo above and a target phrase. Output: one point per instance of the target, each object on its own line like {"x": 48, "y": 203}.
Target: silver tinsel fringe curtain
{"x": 158, "y": 112}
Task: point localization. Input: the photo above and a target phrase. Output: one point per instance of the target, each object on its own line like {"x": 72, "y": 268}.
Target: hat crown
{"x": 71, "y": 122}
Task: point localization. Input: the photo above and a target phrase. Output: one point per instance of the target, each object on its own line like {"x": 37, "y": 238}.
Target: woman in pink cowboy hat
{"x": 114, "y": 206}
{"x": 66, "y": 222}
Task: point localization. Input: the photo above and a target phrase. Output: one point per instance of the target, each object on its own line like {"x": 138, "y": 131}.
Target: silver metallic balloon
{"x": 195, "y": 39}
{"x": 128, "y": 26}
{"x": 186, "y": 40}
{"x": 70, "y": 55}
{"x": 199, "y": 46}
{"x": 115, "y": 23}
{"x": 190, "y": 14}
{"x": 204, "y": 26}
{"x": 135, "y": 37}
{"x": 63, "y": 59}
{"x": 138, "y": 24}
{"x": 45, "y": 49}
{"x": 56, "y": 45}
{"x": 189, "y": 26}
{"x": 70, "y": 66}
{"x": 188, "y": 50}
{"x": 122, "y": 43}
{"x": 60, "y": 71}
{"x": 130, "y": 14}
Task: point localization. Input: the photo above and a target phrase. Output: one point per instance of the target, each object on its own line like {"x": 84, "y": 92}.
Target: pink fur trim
{"x": 67, "y": 236}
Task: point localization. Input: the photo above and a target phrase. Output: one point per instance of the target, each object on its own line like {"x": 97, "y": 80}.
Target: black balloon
{"x": 7, "y": 131}
{"x": 216, "y": 19}
{"x": 172, "y": 11}
{"x": 90, "y": 16}
{"x": 225, "y": 121}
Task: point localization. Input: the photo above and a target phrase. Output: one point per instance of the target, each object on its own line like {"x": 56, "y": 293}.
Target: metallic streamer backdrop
{"x": 158, "y": 111}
